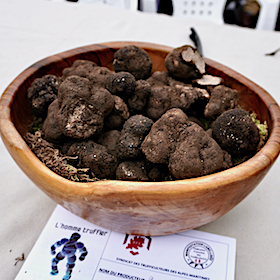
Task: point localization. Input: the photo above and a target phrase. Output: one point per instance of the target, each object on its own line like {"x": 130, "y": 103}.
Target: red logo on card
{"x": 136, "y": 242}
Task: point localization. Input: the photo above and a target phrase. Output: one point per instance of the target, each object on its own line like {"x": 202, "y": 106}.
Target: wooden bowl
{"x": 144, "y": 208}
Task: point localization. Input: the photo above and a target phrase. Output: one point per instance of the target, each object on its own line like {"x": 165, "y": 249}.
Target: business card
{"x": 70, "y": 247}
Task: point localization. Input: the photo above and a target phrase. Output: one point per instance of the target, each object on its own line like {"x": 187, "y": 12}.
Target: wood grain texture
{"x": 145, "y": 208}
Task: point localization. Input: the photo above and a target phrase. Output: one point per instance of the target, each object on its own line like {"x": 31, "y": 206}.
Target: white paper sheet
{"x": 109, "y": 255}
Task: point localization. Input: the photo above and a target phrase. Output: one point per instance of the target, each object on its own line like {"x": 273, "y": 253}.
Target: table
{"x": 33, "y": 29}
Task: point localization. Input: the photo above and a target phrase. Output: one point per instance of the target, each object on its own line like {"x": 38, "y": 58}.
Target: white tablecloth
{"x": 33, "y": 29}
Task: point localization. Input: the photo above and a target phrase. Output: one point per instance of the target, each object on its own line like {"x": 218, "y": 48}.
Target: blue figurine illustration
{"x": 70, "y": 247}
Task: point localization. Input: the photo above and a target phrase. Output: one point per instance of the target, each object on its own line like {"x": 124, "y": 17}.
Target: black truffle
{"x": 134, "y": 60}
{"x": 236, "y": 132}
{"x": 94, "y": 156}
{"x": 132, "y": 135}
{"x": 121, "y": 84}
{"x": 41, "y": 93}
{"x": 185, "y": 63}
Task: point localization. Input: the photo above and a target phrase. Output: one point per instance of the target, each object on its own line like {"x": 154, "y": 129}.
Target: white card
{"x": 71, "y": 248}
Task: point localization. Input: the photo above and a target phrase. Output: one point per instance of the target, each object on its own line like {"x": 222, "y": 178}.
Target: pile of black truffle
{"x": 129, "y": 124}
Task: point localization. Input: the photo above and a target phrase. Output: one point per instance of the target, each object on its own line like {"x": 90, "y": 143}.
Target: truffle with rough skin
{"x": 109, "y": 140}
{"x": 82, "y": 107}
{"x": 50, "y": 129}
{"x": 99, "y": 75}
{"x": 132, "y": 171}
{"x": 137, "y": 101}
{"x": 163, "y": 98}
{"x": 159, "y": 78}
{"x": 185, "y": 63}
{"x": 132, "y": 135}
{"x": 185, "y": 96}
{"x": 222, "y": 99}
{"x": 77, "y": 120}
{"x": 235, "y": 132}
{"x": 159, "y": 101}
{"x": 101, "y": 101}
{"x": 163, "y": 136}
{"x": 80, "y": 68}
{"x": 118, "y": 115}
{"x": 197, "y": 154}
{"x": 73, "y": 87}
{"x": 95, "y": 157}
{"x": 42, "y": 92}
{"x": 121, "y": 84}
{"x": 134, "y": 60}
{"x": 184, "y": 146}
